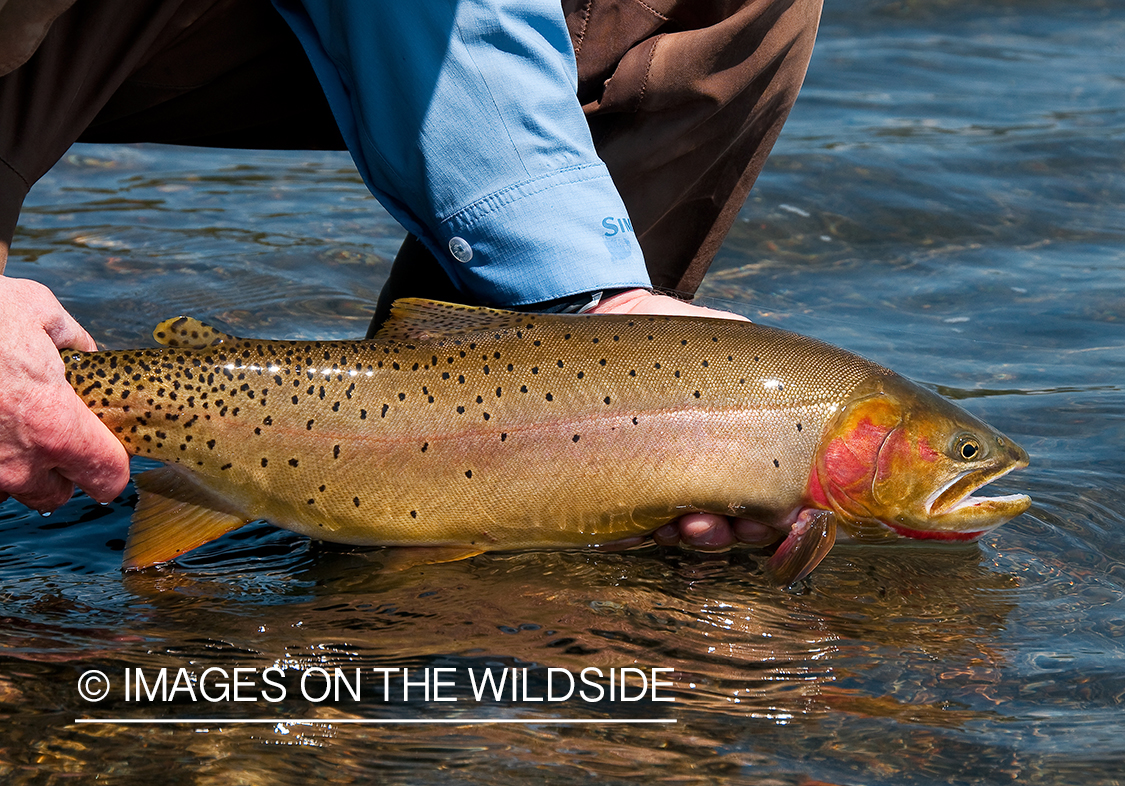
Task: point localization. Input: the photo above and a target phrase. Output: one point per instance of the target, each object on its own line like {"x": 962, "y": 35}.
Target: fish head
{"x": 897, "y": 458}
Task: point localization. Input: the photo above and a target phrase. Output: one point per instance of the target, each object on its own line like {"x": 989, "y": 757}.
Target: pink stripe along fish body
{"x": 474, "y": 429}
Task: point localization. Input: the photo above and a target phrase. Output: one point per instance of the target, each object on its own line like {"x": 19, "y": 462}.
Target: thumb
{"x": 66, "y": 333}
{"x": 94, "y": 460}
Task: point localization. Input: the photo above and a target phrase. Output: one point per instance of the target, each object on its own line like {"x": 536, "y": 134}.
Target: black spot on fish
{"x": 503, "y": 436}
{"x": 798, "y": 427}
{"x": 226, "y": 466}
{"x": 606, "y": 399}
{"x": 460, "y": 410}
{"x": 355, "y": 501}
{"x": 292, "y": 462}
{"x": 265, "y": 462}
{"x": 550, "y": 397}
{"x": 696, "y": 394}
{"x": 295, "y": 399}
{"x": 335, "y": 451}
{"x": 413, "y": 514}
{"x": 211, "y": 444}
{"x": 581, "y": 374}
{"x": 575, "y": 438}
{"x": 776, "y": 463}
{"x": 635, "y": 421}
{"x": 425, "y": 445}
{"x": 363, "y": 414}
{"x": 468, "y": 473}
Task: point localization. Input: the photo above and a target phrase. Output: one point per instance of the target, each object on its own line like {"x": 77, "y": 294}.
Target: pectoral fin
{"x": 173, "y": 516}
{"x": 810, "y": 539}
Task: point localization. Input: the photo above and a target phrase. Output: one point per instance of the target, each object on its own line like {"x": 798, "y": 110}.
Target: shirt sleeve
{"x": 463, "y": 120}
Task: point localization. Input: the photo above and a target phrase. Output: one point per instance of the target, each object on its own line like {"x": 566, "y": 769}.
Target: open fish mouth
{"x": 954, "y": 512}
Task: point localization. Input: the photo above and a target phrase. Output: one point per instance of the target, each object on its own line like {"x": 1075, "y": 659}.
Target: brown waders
{"x": 685, "y": 99}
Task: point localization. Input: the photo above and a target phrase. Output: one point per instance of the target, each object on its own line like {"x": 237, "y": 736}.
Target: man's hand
{"x": 49, "y": 440}
{"x": 700, "y": 530}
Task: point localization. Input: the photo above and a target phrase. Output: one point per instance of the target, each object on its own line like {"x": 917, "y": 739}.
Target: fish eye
{"x": 968, "y": 448}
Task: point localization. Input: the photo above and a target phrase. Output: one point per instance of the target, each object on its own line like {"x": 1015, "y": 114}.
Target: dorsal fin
{"x": 173, "y": 516}
{"x": 416, "y": 319}
{"x": 189, "y": 333}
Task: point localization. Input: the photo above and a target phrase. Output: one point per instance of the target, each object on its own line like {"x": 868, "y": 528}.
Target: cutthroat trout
{"x": 473, "y": 430}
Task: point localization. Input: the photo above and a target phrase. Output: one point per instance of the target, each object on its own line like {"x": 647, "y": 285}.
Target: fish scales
{"x": 484, "y": 429}
{"x": 434, "y": 436}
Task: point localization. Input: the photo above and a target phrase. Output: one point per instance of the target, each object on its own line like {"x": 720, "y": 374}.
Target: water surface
{"x": 947, "y": 198}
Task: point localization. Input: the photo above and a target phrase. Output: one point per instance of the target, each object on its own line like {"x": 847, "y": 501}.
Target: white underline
{"x": 377, "y": 721}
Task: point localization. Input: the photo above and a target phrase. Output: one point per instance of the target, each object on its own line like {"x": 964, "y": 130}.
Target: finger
{"x": 46, "y": 492}
{"x": 705, "y": 531}
{"x": 95, "y": 461}
{"x": 668, "y": 535}
{"x": 624, "y": 543}
{"x": 754, "y": 533}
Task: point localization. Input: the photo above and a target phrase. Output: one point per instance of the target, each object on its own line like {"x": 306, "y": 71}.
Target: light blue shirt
{"x": 463, "y": 120}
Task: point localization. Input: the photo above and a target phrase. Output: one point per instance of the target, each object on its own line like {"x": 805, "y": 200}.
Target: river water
{"x": 947, "y": 198}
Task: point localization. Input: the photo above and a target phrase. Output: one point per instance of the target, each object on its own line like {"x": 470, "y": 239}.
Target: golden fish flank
{"x": 479, "y": 430}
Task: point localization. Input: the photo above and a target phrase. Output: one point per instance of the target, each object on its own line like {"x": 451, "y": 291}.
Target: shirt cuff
{"x": 544, "y": 238}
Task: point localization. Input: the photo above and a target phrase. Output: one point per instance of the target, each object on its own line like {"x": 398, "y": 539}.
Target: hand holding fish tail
{"x": 698, "y": 530}
{"x": 49, "y": 439}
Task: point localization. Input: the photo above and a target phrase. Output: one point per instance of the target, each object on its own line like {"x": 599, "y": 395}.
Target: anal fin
{"x": 173, "y": 516}
{"x": 397, "y": 559}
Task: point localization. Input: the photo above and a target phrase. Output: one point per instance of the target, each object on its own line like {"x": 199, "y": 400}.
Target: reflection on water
{"x": 947, "y": 199}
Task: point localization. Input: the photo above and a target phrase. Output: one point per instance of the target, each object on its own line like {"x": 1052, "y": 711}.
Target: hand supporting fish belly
{"x": 471, "y": 430}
